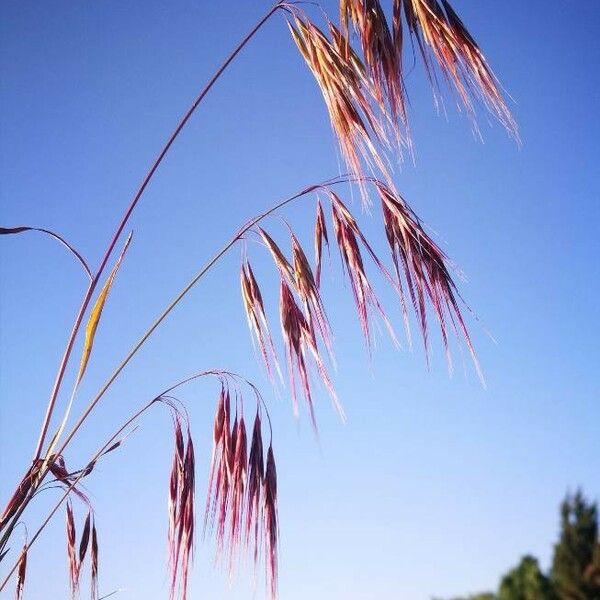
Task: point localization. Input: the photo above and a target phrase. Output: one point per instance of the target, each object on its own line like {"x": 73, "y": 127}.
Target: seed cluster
{"x": 241, "y": 502}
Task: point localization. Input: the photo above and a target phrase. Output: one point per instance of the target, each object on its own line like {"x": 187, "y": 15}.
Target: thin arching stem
{"x": 124, "y": 220}
{"x": 224, "y": 249}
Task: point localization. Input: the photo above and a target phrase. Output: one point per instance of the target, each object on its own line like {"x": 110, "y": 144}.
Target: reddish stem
{"x": 123, "y": 223}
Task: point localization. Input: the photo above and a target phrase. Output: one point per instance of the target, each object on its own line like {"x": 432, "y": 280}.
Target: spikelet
{"x": 320, "y": 237}
{"x": 442, "y": 37}
{"x": 348, "y": 95}
{"x": 425, "y": 269}
{"x": 300, "y": 342}
{"x": 187, "y": 514}
{"x": 85, "y": 539}
{"x": 347, "y": 235}
{"x": 71, "y": 552}
{"x": 94, "y": 563}
{"x": 380, "y": 51}
{"x": 257, "y": 322}
{"x": 241, "y": 502}
{"x": 256, "y": 473}
{"x": 271, "y": 526}
{"x": 175, "y": 484}
{"x": 281, "y": 262}
{"x": 308, "y": 291}
{"x": 21, "y": 573}
{"x": 217, "y": 497}
{"x": 301, "y": 327}
{"x": 181, "y": 510}
{"x": 239, "y": 472}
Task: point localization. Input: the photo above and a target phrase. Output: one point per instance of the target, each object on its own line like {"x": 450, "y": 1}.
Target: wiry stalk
{"x": 124, "y": 221}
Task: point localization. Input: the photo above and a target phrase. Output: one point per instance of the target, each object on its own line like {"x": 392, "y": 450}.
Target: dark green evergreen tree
{"x": 525, "y": 582}
{"x": 575, "y": 573}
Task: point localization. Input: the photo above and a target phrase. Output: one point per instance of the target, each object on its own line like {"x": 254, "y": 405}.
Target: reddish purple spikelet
{"x": 217, "y": 497}
{"x": 255, "y": 313}
{"x": 301, "y": 328}
{"x": 175, "y": 484}
{"x": 181, "y": 510}
{"x": 308, "y": 291}
{"x": 425, "y": 269}
{"x": 21, "y": 574}
{"x": 299, "y": 337}
{"x": 187, "y": 514}
{"x": 320, "y": 237}
{"x": 381, "y": 58}
{"x": 85, "y": 538}
{"x": 71, "y": 552}
{"x": 94, "y": 563}
{"x": 256, "y": 474}
{"x": 241, "y": 505}
{"x": 271, "y": 527}
{"x": 347, "y": 236}
{"x": 59, "y": 469}
{"x": 348, "y": 94}
{"x": 238, "y": 488}
{"x": 281, "y": 261}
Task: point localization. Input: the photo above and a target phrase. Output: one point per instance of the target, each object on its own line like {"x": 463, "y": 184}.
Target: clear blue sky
{"x": 435, "y": 486}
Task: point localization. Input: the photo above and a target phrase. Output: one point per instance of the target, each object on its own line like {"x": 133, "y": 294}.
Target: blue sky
{"x": 435, "y": 486}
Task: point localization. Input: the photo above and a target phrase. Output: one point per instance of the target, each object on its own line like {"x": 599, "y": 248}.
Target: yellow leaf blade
{"x": 92, "y": 325}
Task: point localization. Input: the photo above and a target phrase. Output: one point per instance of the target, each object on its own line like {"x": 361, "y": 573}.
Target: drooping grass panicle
{"x": 380, "y": 51}
{"x": 303, "y": 322}
{"x": 236, "y": 496}
{"x": 365, "y": 94}
{"x": 347, "y": 93}
{"x": 425, "y": 269}
{"x": 443, "y": 37}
